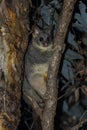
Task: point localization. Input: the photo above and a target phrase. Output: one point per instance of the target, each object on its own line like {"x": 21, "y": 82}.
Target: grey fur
{"x": 36, "y": 64}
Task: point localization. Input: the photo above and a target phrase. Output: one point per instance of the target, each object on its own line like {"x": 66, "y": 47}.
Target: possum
{"x": 37, "y": 60}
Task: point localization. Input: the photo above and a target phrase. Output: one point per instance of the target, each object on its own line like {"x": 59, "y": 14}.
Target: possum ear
{"x": 36, "y": 32}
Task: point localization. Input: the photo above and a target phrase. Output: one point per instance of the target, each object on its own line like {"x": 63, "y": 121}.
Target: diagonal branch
{"x": 51, "y": 94}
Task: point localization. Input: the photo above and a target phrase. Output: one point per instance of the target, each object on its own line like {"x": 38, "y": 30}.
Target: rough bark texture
{"x": 13, "y": 42}
{"x": 51, "y": 94}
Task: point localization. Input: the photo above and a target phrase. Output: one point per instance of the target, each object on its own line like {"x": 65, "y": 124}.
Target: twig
{"x": 80, "y": 124}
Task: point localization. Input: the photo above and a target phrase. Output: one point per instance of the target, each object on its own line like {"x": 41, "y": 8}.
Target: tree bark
{"x": 52, "y": 89}
{"x": 13, "y": 42}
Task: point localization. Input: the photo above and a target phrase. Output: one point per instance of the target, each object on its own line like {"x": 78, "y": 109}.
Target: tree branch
{"x": 13, "y": 43}
{"x": 51, "y": 94}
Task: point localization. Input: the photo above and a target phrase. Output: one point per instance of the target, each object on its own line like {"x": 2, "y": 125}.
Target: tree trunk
{"x": 13, "y": 42}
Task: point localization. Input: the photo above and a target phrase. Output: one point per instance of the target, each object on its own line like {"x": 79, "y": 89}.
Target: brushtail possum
{"x": 37, "y": 59}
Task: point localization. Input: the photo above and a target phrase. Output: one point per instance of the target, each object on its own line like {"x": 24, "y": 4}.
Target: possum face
{"x": 42, "y": 37}
{"x": 44, "y": 40}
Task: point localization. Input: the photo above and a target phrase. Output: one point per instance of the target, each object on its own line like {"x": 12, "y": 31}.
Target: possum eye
{"x": 41, "y": 39}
